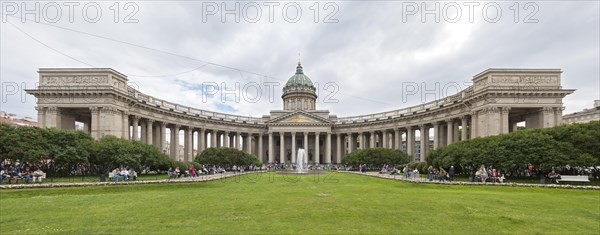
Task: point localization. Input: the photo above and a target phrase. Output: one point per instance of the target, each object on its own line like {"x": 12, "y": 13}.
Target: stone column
{"x": 125, "y": 126}
{"x": 156, "y": 135}
{"x": 455, "y": 130}
{"x": 384, "y": 136}
{"x": 372, "y": 139}
{"x": 260, "y": 147}
{"x": 449, "y": 130}
{"x": 424, "y": 142}
{"x": 474, "y": 121}
{"x": 226, "y": 139}
{"x": 248, "y": 144}
{"x": 94, "y": 111}
{"x": 201, "y": 140}
{"x": 317, "y": 153}
{"x": 397, "y": 139}
{"x": 270, "y": 150}
{"x": 558, "y": 116}
{"x": 42, "y": 117}
{"x": 188, "y": 150}
{"x": 149, "y": 135}
{"x": 282, "y": 147}
{"x": 163, "y": 136}
{"x": 338, "y": 146}
{"x": 237, "y": 141}
{"x": 134, "y": 120}
{"x": 361, "y": 141}
{"x": 213, "y": 139}
{"x": 175, "y": 142}
{"x": 548, "y": 117}
{"x": 410, "y": 141}
{"x": 504, "y": 120}
{"x": 463, "y": 131}
{"x": 328, "y": 148}
{"x": 53, "y": 119}
{"x": 436, "y": 135}
{"x": 294, "y": 147}
{"x": 351, "y": 142}
{"x": 305, "y": 145}
{"x": 143, "y": 131}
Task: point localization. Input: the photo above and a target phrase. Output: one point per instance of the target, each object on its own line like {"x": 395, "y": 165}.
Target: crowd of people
{"x": 125, "y": 173}
{"x": 12, "y": 173}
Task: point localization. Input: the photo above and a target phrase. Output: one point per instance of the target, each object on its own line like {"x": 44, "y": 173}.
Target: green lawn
{"x": 336, "y": 203}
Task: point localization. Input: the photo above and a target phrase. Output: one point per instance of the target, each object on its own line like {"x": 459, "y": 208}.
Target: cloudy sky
{"x": 359, "y": 53}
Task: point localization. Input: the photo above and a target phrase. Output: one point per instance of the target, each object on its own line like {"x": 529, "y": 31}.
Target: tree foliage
{"x": 376, "y": 157}
{"x": 75, "y": 152}
{"x": 226, "y": 157}
{"x": 574, "y": 144}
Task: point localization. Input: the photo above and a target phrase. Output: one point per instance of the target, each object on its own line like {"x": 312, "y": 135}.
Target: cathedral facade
{"x": 106, "y": 105}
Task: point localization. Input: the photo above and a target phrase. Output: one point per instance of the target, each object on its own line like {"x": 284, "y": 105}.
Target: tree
{"x": 226, "y": 157}
{"x": 151, "y": 156}
{"x": 23, "y": 143}
{"x": 575, "y": 144}
{"x": 68, "y": 149}
{"x": 376, "y": 157}
{"x": 111, "y": 152}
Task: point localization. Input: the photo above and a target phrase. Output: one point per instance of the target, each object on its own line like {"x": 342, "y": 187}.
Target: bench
{"x": 111, "y": 177}
{"x": 573, "y": 178}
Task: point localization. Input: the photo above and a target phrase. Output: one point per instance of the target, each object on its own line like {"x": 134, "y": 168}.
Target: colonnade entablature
{"x": 495, "y": 103}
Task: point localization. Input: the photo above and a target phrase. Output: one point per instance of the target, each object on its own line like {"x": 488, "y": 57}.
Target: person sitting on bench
{"x": 38, "y": 174}
{"x": 553, "y": 176}
{"x": 3, "y": 175}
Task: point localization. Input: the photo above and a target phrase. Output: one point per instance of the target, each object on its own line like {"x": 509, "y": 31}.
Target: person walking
{"x": 442, "y": 174}
{"x": 451, "y": 173}
{"x": 430, "y": 173}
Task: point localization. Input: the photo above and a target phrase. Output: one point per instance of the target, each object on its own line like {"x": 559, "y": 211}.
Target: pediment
{"x": 300, "y": 117}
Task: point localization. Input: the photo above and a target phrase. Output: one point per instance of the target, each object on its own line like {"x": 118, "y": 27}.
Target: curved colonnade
{"x": 106, "y": 105}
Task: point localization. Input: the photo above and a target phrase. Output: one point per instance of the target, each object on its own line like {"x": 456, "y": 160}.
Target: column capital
{"x": 505, "y": 109}
{"x": 422, "y": 126}
{"x": 150, "y": 120}
{"x": 133, "y": 117}
{"x": 463, "y": 117}
{"x": 92, "y": 108}
{"x": 449, "y": 120}
{"x": 177, "y": 126}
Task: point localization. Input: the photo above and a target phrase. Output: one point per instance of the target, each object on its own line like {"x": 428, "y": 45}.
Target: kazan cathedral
{"x": 100, "y": 100}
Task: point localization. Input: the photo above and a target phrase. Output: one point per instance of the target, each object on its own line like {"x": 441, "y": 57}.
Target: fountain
{"x": 300, "y": 161}
{"x": 300, "y": 166}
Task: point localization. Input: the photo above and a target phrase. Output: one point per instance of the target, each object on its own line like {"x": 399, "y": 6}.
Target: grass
{"x": 334, "y": 203}
{"x": 97, "y": 178}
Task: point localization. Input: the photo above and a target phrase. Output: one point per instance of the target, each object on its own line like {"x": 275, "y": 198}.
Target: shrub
{"x": 376, "y": 157}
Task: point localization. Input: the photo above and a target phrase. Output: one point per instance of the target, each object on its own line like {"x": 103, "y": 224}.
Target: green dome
{"x": 299, "y": 79}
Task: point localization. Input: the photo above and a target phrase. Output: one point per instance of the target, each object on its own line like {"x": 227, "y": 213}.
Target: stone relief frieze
{"x": 80, "y": 80}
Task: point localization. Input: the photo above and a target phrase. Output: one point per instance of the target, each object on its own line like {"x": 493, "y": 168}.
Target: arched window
{"x": 289, "y": 105}
{"x": 299, "y": 104}
{"x": 293, "y": 104}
